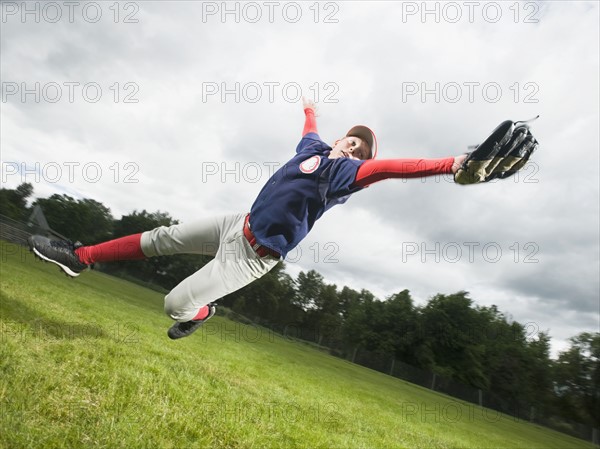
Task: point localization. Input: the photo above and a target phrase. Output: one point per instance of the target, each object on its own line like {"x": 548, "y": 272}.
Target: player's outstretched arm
{"x": 372, "y": 170}
{"x": 310, "y": 123}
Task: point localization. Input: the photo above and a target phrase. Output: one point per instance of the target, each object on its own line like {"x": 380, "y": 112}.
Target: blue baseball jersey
{"x": 299, "y": 193}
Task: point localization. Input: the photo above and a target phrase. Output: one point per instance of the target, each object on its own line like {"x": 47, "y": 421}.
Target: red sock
{"x": 202, "y": 313}
{"x": 124, "y": 248}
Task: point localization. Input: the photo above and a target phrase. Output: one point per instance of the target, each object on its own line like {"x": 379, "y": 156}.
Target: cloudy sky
{"x": 187, "y": 107}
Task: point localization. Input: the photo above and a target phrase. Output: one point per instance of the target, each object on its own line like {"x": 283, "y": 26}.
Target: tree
{"x": 449, "y": 325}
{"x": 85, "y": 220}
{"x": 400, "y": 329}
{"x": 326, "y": 317}
{"x": 577, "y": 377}
{"x": 503, "y": 357}
{"x": 348, "y": 299}
{"x": 13, "y": 203}
{"x": 539, "y": 368}
{"x": 357, "y": 331}
{"x": 308, "y": 289}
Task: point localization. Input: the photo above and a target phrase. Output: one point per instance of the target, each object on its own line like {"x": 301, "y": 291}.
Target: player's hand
{"x": 308, "y": 103}
{"x": 458, "y": 161}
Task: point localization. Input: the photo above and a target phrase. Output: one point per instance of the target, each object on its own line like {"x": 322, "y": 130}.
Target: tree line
{"x": 450, "y": 335}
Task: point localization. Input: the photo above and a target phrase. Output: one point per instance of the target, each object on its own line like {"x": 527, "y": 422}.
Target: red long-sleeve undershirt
{"x": 310, "y": 124}
{"x": 372, "y": 170}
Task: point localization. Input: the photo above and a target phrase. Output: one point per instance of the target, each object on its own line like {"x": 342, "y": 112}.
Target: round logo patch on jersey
{"x": 310, "y": 164}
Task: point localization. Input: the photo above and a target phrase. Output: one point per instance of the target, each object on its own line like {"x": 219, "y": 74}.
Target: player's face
{"x": 350, "y": 147}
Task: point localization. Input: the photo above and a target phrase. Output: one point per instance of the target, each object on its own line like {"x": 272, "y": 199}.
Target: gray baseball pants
{"x": 234, "y": 266}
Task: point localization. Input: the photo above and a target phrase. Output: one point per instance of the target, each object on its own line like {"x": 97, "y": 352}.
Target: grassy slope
{"x": 86, "y": 363}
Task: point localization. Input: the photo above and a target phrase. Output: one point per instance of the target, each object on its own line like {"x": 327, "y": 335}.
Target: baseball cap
{"x": 365, "y": 133}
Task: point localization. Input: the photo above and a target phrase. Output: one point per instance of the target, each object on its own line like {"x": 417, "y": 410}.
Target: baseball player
{"x": 245, "y": 246}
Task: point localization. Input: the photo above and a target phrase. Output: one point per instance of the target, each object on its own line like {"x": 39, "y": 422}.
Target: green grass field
{"x": 86, "y": 363}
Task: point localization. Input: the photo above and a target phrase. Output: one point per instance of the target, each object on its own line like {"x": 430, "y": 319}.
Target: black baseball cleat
{"x": 60, "y": 252}
{"x": 184, "y": 328}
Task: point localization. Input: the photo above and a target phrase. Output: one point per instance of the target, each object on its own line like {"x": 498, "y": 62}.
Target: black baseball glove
{"x": 501, "y": 155}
